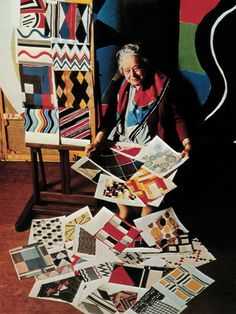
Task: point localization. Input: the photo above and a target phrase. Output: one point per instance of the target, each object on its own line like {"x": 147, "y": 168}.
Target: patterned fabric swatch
{"x": 74, "y": 89}
{"x": 32, "y": 13}
{"x": 148, "y": 186}
{"x": 41, "y": 121}
{"x": 117, "y": 164}
{"x": 71, "y": 57}
{"x": 31, "y": 260}
{"x": 86, "y": 243}
{"x": 186, "y": 282}
{"x": 123, "y": 300}
{"x": 48, "y": 231}
{"x": 96, "y": 272}
{"x": 36, "y": 86}
{"x": 33, "y": 46}
{"x": 153, "y": 303}
{"x": 131, "y": 257}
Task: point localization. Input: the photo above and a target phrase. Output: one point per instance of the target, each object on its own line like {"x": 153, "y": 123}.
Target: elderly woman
{"x": 143, "y": 109}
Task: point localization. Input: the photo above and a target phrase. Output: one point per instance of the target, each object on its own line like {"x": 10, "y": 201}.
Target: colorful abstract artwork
{"x": 115, "y": 191}
{"x": 84, "y": 242}
{"x": 147, "y": 186}
{"x": 31, "y": 260}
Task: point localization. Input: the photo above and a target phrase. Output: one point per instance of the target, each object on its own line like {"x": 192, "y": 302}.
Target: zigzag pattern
{"x": 41, "y": 120}
{"x": 71, "y": 57}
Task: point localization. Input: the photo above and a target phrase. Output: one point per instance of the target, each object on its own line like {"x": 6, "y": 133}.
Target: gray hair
{"x": 131, "y": 50}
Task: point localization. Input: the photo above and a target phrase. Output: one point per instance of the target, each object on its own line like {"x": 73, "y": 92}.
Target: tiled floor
{"x": 204, "y": 201}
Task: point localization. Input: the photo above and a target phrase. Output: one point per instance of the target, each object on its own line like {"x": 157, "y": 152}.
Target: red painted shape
{"x": 193, "y": 11}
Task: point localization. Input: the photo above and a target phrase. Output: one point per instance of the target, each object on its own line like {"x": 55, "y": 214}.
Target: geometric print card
{"x": 115, "y": 191}
{"x": 31, "y": 260}
{"x": 48, "y": 231}
{"x": 113, "y": 231}
{"x": 137, "y": 275}
{"x": 186, "y": 282}
{"x": 70, "y": 56}
{"x": 161, "y": 227}
{"x": 87, "y": 168}
{"x": 33, "y": 46}
{"x": 198, "y": 257}
{"x": 160, "y": 158}
{"x": 61, "y": 261}
{"x": 148, "y": 186}
{"x": 157, "y": 300}
{"x": 37, "y": 86}
{"x": 63, "y": 288}
{"x": 117, "y": 164}
{"x": 80, "y": 217}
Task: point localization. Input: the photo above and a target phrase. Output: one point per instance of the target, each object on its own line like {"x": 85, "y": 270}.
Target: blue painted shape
{"x": 110, "y": 14}
{"x": 200, "y": 83}
{"x": 106, "y": 58}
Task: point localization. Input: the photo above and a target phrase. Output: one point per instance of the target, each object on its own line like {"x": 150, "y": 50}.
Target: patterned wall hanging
{"x": 69, "y": 56}
{"x": 37, "y": 86}
{"x": 74, "y": 89}
{"x": 32, "y": 13}
{"x": 33, "y": 46}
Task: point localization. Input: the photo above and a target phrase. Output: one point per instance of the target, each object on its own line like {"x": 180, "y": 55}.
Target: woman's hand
{"x": 90, "y": 148}
{"x": 187, "y": 148}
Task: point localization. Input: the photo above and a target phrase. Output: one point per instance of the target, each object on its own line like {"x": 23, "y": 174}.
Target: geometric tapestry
{"x": 74, "y": 89}
{"x": 36, "y": 86}
{"x": 70, "y": 56}
{"x": 32, "y": 13}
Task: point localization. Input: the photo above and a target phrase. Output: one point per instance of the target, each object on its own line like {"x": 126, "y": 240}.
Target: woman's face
{"x": 132, "y": 70}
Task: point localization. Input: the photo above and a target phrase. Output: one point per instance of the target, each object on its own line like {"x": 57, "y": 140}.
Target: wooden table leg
{"x": 65, "y": 171}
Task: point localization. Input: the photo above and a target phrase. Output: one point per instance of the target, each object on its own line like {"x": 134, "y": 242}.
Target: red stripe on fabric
{"x": 113, "y": 231}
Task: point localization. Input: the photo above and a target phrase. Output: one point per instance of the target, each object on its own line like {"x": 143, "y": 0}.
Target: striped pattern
{"x": 71, "y": 57}
{"x": 74, "y": 123}
{"x": 41, "y": 120}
